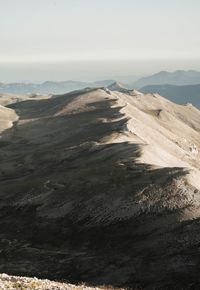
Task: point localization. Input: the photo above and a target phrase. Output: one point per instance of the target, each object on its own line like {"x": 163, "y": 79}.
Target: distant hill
{"x": 177, "y": 94}
{"x": 50, "y": 87}
{"x": 179, "y": 77}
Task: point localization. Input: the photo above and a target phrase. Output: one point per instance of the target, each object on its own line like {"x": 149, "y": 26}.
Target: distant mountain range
{"x": 177, "y": 94}
{"x": 179, "y": 77}
{"x": 50, "y": 87}
{"x": 179, "y": 86}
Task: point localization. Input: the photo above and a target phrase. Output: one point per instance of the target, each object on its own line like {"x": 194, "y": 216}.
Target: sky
{"x": 106, "y": 37}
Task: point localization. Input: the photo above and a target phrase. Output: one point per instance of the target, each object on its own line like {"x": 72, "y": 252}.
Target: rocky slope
{"x": 102, "y": 187}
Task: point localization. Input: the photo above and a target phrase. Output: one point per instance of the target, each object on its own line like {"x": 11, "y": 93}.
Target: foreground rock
{"x": 24, "y": 283}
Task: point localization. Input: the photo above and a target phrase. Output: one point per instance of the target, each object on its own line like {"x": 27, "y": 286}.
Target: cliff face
{"x": 101, "y": 186}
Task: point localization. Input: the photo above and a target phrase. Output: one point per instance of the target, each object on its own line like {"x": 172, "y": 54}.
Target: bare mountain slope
{"x": 101, "y": 186}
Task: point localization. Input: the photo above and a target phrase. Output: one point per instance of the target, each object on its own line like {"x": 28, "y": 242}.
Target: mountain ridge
{"x": 101, "y": 186}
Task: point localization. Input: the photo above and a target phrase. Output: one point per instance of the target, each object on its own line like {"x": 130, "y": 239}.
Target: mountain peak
{"x": 117, "y": 86}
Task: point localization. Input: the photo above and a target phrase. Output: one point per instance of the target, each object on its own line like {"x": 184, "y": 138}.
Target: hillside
{"x": 102, "y": 187}
{"x": 177, "y": 94}
{"x": 179, "y": 77}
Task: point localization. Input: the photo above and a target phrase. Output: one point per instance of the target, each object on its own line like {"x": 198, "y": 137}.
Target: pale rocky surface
{"x": 24, "y": 283}
{"x": 7, "y": 118}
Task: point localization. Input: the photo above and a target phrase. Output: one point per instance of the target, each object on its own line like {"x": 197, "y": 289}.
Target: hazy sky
{"x": 95, "y": 30}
